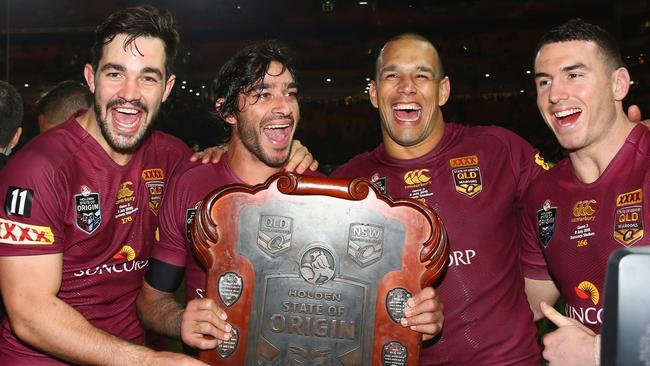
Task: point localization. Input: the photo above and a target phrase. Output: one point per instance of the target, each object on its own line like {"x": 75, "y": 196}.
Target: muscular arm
{"x": 538, "y": 291}
{"x": 39, "y": 318}
{"x": 159, "y": 311}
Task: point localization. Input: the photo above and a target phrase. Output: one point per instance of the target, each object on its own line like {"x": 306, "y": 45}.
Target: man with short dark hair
{"x": 474, "y": 177}
{"x": 255, "y": 94}
{"x": 11, "y": 117}
{"x": 81, "y": 204}
{"x": 61, "y": 102}
{"x": 590, "y": 203}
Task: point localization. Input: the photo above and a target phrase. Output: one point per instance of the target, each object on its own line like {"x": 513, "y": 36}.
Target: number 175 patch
{"x": 19, "y": 201}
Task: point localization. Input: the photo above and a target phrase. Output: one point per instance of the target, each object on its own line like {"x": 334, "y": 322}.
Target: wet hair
{"x": 63, "y": 100}
{"x": 11, "y": 112}
{"x": 440, "y": 69}
{"x": 135, "y": 22}
{"x": 244, "y": 73}
{"x": 579, "y": 30}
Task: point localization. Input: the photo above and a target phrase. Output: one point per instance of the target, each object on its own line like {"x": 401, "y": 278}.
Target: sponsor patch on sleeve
{"x": 18, "y": 201}
{"x": 12, "y": 232}
{"x": 539, "y": 160}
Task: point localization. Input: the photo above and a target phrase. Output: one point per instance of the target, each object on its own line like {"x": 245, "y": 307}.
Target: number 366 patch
{"x": 19, "y": 201}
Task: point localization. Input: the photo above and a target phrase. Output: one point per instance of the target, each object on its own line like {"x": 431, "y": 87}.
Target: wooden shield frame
{"x": 316, "y": 270}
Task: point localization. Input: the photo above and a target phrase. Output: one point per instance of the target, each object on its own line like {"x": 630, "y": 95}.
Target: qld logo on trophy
{"x": 274, "y": 235}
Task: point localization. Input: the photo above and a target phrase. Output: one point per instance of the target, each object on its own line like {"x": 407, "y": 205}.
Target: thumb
{"x": 551, "y": 314}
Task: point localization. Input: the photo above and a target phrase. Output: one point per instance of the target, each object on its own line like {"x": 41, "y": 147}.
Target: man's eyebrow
{"x": 154, "y": 70}
{"x": 111, "y": 66}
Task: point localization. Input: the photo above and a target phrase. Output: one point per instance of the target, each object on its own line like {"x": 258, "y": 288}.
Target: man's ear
{"x": 444, "y": 89}
{"x": 169, "y": 84}
{"x": 620, "y": 83}
{"x": 14, "y": 140}
{"x": 89, "y": 74}
{"x": 373, "y": 93}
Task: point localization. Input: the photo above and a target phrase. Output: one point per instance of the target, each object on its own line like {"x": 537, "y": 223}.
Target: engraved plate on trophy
{"x": 316, "y": 271}
{"x": 396, "y": 303}
{"x": 226, "y": 348}
{"x": 394, "y": 354}
{"x": 230, "y": 286}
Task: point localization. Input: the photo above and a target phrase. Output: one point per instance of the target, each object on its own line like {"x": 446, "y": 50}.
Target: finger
{"x": 634, "y": 113}
{"x": 196, "y": 156}
{"x": 423, "y": 318}
{"x": 430, "y": 329}
{"x": 554, "y": 316}
{"x": 314, "y": 165}
{"x": 208, "y": 305}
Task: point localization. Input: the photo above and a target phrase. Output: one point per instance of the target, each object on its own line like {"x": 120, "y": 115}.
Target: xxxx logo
{"x": 417, "y": 176}
{"x": 12, "y": 232}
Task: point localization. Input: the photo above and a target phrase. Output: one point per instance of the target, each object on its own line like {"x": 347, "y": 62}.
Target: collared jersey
{"x": 64, "y": 194}
{"x": 577, "y": 226}
{"x": 474, "y": 178}
{"x": 186, "y": 190}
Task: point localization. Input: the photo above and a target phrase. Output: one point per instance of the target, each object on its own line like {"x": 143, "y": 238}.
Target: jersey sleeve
{"x": 175, "y": 216}
{"x": 533, "y": 263}
{"x": 33, "y": 207}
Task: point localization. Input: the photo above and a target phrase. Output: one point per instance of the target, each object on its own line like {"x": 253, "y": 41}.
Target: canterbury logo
{"x": 416, "y": 176}
{"x": 124, "y": 191}
{"x": 583, "y": 208}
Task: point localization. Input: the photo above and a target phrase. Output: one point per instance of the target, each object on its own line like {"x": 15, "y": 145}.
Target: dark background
{"x": 43, "y": 42}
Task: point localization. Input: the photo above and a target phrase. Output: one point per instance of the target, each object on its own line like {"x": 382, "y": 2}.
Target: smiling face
{"x": 577, "y": 92}
{"x": 408, "y": 93}
{"x": 268, "y": 117}
{"x": 129, "y": 86}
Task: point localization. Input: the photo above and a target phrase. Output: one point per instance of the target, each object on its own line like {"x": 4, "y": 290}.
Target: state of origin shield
{"x": 316, "y": 271}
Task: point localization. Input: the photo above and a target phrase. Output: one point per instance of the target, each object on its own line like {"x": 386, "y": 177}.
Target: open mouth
{"x": 568, "y": 116}
{"x": 407, "y": 112}
{"x": 278, "y": 133}
{"x": 126, "y": 119}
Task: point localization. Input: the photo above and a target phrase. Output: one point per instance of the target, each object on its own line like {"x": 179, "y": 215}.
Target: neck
{"x": 88, "y": 122}
{"x": 397, "y": 151}
{"x": 590, "y": 162}
{"x": 247, "y": 166}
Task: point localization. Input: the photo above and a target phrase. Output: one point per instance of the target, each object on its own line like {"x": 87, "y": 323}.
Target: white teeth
{"x": 567, "y": 112}
{"x": 272, "y": 127}
{"x": 127, "y": 110}
{"x": 409, "y": 106}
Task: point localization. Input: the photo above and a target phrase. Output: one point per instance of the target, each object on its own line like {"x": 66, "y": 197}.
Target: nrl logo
{"x": 88, "y": 213}
{"x": 546, "y": 222}
{"x": 274, "y": 235}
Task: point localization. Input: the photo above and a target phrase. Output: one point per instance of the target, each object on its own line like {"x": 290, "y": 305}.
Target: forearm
{"x": 160, "y": 312}
{"x": 57, "y": 329}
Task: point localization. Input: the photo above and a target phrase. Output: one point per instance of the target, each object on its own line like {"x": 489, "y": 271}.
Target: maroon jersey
{"x": 474, "y": 178}
{"x": 185, "y": 191}
{"x": 64, "y": 194}
{"x": 577, "y": 226}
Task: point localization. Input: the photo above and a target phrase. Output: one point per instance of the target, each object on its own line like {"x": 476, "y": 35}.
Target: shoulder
{"x": 496, "y": 134}
{"x": 166, "y": 142}
{"x": 351, "y": 168}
